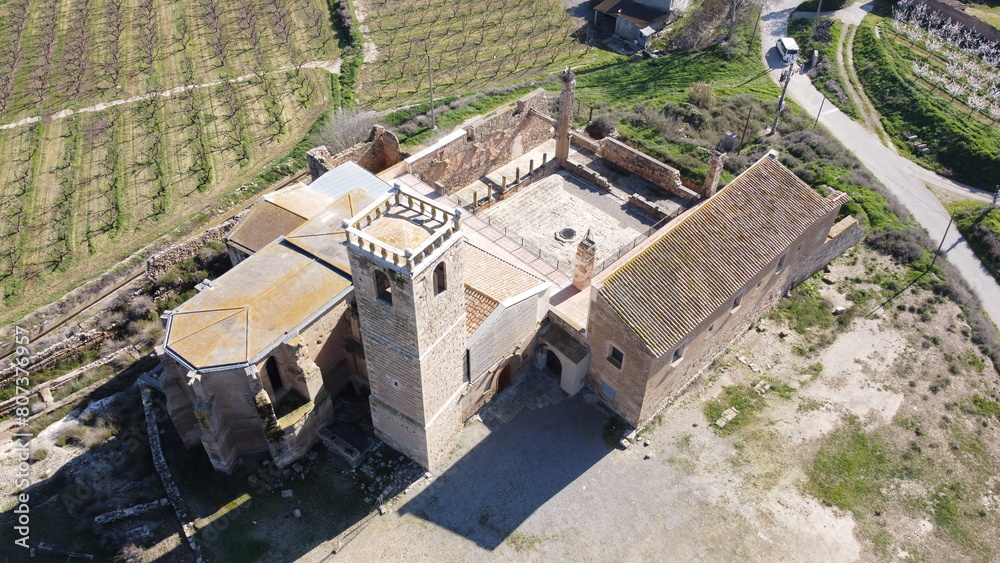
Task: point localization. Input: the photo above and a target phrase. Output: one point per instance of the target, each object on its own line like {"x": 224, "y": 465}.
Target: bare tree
{"x": 345, "y": 129}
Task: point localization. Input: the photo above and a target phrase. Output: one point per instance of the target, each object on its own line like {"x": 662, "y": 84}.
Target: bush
{"x": 702, "y": 94}
{"x": 600, "y": 127}
{"x": 828, "y": 5}
{"x": 902, "y": 244}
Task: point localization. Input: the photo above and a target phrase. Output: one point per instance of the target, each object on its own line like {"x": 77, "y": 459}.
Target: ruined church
{"x": 429, "y": 283}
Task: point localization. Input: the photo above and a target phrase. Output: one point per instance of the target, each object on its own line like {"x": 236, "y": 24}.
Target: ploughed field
{"x": 121, "y": 118}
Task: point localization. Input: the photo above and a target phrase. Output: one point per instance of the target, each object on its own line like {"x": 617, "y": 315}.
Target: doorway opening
{"x": 504, "y": 379}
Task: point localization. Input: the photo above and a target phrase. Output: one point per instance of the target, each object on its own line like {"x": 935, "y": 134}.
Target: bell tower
{"x": 405, "y": 256}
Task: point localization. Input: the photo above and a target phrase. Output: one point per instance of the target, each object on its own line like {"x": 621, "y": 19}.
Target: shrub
{"x": 702, "y": 94}
{"x": 600, "y": 127}
{"x": 902, "y": 244}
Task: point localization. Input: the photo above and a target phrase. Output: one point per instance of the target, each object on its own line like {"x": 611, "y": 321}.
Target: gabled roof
{"x": 634, "y": 12}
{"x": 276, "y": 214}
{"x": 251, "y": 308}
{"x": 478, "y": 307}
{"x": 494, "y": 277}
{"x": 703, "y": 259}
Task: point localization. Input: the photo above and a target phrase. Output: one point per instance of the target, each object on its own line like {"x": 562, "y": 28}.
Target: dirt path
{"x": 333, "y": 67}
{"x": 845, "y": 64}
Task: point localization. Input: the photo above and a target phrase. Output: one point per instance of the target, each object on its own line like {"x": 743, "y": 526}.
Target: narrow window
{"x": 678, "y": 353}
{"x": 468, "y": 367}
{"x": 607, "y": 391}
{"x": 737, "y": 300}
{"x": 617, "y": 357}
{"x": 440, "y": 279}
{"x": 383, "y": 288}
{"x": 273, "y": 375}
{"x": 781, "y": 264}
{"x": 711, "y": 327}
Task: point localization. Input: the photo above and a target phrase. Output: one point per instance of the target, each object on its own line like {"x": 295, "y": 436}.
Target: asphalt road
{"x": 906, "y": 180}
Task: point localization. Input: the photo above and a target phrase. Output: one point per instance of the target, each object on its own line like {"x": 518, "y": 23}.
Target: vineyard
{"x": 469, "y": 45}
{"x": 215, "y": 90}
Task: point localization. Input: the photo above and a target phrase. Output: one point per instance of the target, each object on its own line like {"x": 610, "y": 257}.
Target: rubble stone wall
{"x": 379, "y": 152}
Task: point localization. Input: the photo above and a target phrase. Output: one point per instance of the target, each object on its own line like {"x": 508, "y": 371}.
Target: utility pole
{"x": 430, "y": 81}
{"x": 760, "y": 12}
{"x": 787, "y": 77}
{"x": 996, "y": 197}
{"x": 816, "y": 19}
{"x": 819, "y": 112}
{"x": 940, "y": 246}
{"x": 745, "y": 126}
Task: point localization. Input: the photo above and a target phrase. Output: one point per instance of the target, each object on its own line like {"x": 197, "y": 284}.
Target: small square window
{"x": 607, "y": 391}
{"x": 617, "y": 357}
{"x": 678, "y": 354}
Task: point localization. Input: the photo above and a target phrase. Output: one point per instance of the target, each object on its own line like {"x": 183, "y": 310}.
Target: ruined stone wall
{"x": 623, "y": 156}
{"x": 180, "y": 400}
{"x": 159, "y": 263}
{"x": 486, "y": 146}
{"x": 379, "y": 152}
{"x": 845, "y": 234}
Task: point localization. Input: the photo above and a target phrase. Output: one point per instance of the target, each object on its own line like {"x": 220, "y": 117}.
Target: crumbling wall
{"x": 487, "y": 145}
{"x": 159, "y": 263}
{"x": 618, "y": 154}
{"x": 379, "y": 152}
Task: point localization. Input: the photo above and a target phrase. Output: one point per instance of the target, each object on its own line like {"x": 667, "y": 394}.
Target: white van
{"x": 788, "y": 49}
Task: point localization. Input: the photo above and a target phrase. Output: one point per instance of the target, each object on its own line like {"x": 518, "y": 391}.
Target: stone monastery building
{"x": 433, "y": 282}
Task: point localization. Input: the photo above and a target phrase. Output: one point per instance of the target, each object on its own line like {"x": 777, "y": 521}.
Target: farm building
{"x": 636, "y": 20}
{"x": 512, "y": 246}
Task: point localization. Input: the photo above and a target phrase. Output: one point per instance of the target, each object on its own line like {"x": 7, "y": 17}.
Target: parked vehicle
{"x": 788, "y": 49}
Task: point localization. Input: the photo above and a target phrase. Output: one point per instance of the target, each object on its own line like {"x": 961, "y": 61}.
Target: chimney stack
{"x": 714, "y": 173}
{"x": 583, "y": 262}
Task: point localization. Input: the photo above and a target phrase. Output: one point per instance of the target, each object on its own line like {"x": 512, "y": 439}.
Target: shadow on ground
{"x": 495, "y": 487}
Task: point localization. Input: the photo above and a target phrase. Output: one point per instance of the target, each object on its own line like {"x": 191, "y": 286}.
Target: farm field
{"x": 471, "y": 45}
{"x": 81, "y": 192}
{"x": 923, "y": 85}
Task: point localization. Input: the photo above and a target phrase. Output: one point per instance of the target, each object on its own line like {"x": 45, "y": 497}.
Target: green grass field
{"x": 81, "y": 192}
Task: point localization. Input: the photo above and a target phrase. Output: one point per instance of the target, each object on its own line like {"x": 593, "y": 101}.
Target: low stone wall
{"x": 159, "y": 263}
{"x": 623, "y": 156}
{"x": 40, "y": 359}
{"x": 379, "y": 152}
{"x": 650, "y": 208}
{"x": 486, "y": 145}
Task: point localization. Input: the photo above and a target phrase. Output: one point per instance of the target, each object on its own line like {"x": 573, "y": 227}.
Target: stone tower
{"x": 405, "y": 256}
{"x": 566, "y": 108}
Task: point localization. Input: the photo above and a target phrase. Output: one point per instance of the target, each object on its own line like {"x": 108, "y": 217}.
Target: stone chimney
{"x": 583, "y": 262}
{"x": 566, "y": 108}
{"x": 714, "y": 173}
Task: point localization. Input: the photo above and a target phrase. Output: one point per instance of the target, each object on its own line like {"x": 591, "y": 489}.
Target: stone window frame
{"x": 678, "y": 353}
{"x": 618, "y": 363}
{"x": 439, "y": 279}
{"x": 383, "y": 287}
{"x": 738, "y": 299}
{"x": 781, "y": 263}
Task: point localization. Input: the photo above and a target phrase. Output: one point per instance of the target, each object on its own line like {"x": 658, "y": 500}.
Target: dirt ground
{"x": 544, "y": 487}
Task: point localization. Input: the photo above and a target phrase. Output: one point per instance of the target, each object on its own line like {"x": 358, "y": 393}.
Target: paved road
{"x": 902, "y": 177}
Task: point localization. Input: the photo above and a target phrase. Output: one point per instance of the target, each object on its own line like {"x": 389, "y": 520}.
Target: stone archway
{"x": 552, "y": 363}
{"x": 504, "y": 378}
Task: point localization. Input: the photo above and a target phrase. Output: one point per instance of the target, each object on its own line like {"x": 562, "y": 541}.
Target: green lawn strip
{"x": 742, "y": 398}
{"x": 961, "y": 145}
{"x": 981, "y": 229}
{"x": 827, "y": 78}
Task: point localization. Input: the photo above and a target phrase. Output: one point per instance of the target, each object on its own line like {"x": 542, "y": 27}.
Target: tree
{"x": 736, "y": 10}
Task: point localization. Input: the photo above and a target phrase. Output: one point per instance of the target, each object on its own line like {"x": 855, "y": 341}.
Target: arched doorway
{"x": 504, "y": 379}
{"x": 552, "y": 363}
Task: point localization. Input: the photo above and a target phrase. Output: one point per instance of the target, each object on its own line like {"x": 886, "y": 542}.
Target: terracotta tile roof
{"x": 478, "y": 307}
{"x": 252, "y": 307}
{"x": 494, "y": 277}
{"x": 705, "y": 258}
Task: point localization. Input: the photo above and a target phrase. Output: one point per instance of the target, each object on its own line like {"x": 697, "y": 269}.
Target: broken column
{"x": 566, "y": 106}
{"x": 583, "y": 262}
{"x": 714, "y": 173}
